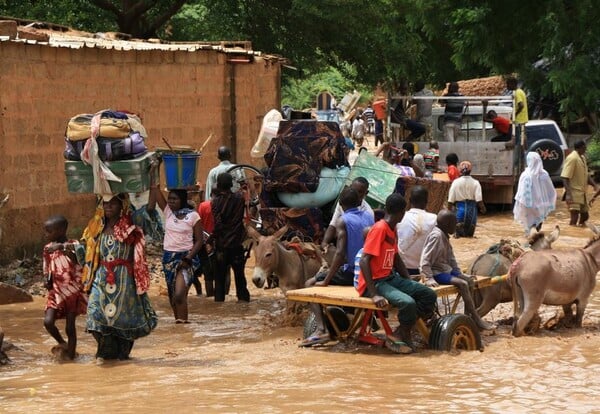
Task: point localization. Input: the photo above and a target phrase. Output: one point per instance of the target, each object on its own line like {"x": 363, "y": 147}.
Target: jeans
{"x": 413, "y": 299}
{"x": 234, "y": 257}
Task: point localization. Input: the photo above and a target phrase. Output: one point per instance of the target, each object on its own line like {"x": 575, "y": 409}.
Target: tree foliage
{"x": 301, "y": 93}
{"x": 553, "y": 45}
{"x": 139, "y": 18}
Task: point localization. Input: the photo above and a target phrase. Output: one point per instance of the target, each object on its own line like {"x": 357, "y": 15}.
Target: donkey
{"x": 290, "y": 266}
{"x": 496, "y": 264}
{"x": 564, "y": 277}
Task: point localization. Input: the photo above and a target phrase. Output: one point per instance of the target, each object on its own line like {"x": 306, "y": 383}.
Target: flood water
{"x": 244, "y": 358}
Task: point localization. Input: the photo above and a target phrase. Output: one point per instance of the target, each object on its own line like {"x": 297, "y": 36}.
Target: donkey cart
{"x": 346, "y": 312}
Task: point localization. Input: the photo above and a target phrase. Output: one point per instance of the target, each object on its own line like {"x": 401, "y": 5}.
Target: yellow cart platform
{"x": 451, "y": 331}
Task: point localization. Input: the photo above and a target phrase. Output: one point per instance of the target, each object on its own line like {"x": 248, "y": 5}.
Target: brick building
{"x": 182, "y": 91}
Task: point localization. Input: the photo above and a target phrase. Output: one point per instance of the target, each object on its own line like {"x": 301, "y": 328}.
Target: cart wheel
{"x": 455, "y": 332}
{"x": 249, "y": 181}
{"x": 339, "y": 316}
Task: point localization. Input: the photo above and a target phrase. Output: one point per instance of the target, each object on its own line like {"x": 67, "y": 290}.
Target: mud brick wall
{"x": 183, "y": 96}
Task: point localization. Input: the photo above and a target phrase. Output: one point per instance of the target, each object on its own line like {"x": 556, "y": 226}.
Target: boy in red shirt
{"x": 501, "y": 125}
{"x": 384, "y": 277}
{"x": 452, "y": 162}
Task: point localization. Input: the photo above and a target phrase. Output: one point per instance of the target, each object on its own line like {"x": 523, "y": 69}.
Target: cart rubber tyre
{"x": 455, "y": 332}
{"x": 310, "y": 325}
{"x": 337, "y": 313}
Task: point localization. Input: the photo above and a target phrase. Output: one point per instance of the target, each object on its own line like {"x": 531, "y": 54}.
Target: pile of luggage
{"x": 121, "y": 136}
{"x": 121, "y": 162}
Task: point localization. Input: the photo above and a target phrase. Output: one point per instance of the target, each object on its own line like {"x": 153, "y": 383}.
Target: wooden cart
{"x": 347, "y": 312}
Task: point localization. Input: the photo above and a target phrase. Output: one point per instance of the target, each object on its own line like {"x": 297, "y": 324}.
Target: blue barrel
{"x": 180, "y": 169}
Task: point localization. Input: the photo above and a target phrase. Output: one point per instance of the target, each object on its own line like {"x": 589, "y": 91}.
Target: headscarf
{"x": 536, "y": 196}
{"x": 124, "y": 231}
{"x": 465, "y": 168}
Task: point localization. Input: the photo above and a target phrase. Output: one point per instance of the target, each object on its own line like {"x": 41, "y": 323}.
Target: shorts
{"x": 445, "y": 278}
{"x": 341, "y": 278}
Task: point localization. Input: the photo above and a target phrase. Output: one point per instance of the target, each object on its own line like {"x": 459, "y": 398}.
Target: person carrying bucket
{"x": 182, "y": 243}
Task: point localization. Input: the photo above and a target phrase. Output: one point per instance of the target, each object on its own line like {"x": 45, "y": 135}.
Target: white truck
{"x": 494, "y": 162}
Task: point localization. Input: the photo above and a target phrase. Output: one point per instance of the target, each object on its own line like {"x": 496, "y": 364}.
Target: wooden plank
{"x": 348, "y": 296}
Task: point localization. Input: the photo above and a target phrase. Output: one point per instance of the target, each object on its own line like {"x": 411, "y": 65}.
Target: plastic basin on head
{"x": 180, "y": 169}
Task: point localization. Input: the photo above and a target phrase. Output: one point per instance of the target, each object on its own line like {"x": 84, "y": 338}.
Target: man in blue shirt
{"x": 349, "y": 228}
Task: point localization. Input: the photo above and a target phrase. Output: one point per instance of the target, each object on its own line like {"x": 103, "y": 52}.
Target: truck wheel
{"x": 455, "y": 332}
{"x": 551, "y": 153}
{"x": 339, "y": 316}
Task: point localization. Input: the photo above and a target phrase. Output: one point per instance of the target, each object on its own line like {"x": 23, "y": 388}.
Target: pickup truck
{"x": 493, "y": 161}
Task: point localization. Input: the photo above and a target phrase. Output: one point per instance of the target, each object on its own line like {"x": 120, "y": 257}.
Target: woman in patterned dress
{"x": 117, "y": 278}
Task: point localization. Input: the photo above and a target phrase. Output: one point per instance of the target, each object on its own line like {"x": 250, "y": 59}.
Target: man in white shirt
{"x": 224, "y": 155}
{"x": 414, "y": 228}
{"x": 361, "y": 185}
{"x": 465, "y": 197}
{"x": 358, "y": 130}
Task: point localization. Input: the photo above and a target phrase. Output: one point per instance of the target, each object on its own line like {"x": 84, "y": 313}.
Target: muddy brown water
{"x": 244, "y": 358}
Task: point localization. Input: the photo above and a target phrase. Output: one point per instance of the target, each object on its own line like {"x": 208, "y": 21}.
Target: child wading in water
{"x": 63, "y": 280}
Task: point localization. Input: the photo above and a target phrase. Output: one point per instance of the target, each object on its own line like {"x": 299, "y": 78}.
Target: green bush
{"x": 302, "y": 93}
{"x": 593, "y": 151}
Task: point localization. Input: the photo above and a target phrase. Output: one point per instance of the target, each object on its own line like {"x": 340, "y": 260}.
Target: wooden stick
{"x": 206, "y": 142}
{"x": 168, "y": 145}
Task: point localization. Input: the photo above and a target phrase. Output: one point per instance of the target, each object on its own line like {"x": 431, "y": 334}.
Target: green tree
{"x": 79, "y": 14}
{"x": 139, "y": 18}
{"x": 553, "y": 45}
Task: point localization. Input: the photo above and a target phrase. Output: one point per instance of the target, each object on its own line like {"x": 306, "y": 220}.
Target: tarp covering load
{"x": 296, "y": 156}
{"x": 384, "y": 179}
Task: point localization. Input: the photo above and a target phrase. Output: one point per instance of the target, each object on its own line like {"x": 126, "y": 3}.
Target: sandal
{"x": 316, "y": 339}
{"x": 181, "y": 321}
{"x": 397, "y": 346}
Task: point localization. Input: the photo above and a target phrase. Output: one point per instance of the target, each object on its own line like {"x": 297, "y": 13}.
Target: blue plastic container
{"x": 180, "y": 169}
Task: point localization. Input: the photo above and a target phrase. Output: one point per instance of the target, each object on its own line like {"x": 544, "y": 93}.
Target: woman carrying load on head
{"x": 116, "y": 276}
{"x": 182, "y": 243}
{"x": 465, "y": 196}
{"x": 536, "y": 196}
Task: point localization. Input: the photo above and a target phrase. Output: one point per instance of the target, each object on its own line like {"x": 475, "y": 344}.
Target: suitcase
{"x": 109, "y": 149}
{"x": 133, "y": 173}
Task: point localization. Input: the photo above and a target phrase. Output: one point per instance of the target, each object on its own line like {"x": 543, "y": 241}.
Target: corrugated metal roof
{"x": 74, "y": 41}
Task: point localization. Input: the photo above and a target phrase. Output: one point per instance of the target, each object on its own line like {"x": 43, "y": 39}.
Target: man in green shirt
{"x": 576, "y": 179}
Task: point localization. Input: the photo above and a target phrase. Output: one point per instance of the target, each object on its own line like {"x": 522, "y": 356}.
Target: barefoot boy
{"x": 438, "y": 264}
{"x": 63, "y": 280}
